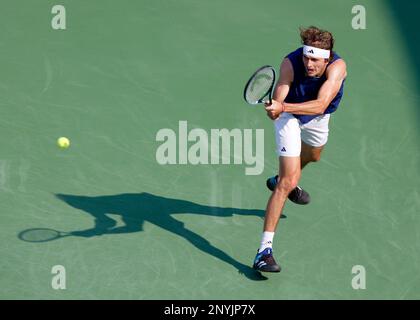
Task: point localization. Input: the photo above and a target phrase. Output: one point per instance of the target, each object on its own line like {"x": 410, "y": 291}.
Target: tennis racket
{"x": 42, "y": 235}
{"x": 259, "y": 87}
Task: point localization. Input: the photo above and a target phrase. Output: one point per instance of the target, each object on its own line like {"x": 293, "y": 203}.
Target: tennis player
{"x": 309, "y": 89}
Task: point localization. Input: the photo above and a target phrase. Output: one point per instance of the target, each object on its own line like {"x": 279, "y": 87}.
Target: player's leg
{"x": 289, "y": 175}
{"x": 288, "y": 149}
{"x": 297, "y": 195}
{"x": 314, "y": 138}
{"x": 307, "y": 154}
{"x": 310, "y": 154}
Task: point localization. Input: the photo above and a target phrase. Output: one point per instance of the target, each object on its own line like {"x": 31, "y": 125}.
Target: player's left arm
{"x": 336, "y": 73}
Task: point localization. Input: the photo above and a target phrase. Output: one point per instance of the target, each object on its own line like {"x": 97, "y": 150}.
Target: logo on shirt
{"x": 283, "y": 149}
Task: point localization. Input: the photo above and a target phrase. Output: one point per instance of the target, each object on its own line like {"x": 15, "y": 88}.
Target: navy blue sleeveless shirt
{"x": 304, "y": 88}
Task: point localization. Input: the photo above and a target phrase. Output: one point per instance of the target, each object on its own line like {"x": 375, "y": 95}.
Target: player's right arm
{"x": 282, "y": 88}
{"x": 285, "y": 81}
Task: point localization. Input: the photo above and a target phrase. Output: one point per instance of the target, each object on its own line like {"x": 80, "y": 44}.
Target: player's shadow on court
{"x": 137, "y": 208}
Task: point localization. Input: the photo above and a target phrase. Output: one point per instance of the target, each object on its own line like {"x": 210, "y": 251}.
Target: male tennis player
{"x": 309, "y": 89}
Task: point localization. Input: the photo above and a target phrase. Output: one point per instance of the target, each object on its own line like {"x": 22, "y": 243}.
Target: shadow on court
{"x": 136, "y": 208}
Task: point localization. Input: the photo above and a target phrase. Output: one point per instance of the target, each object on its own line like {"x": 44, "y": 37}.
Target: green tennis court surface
{"x": 121, "y": 72}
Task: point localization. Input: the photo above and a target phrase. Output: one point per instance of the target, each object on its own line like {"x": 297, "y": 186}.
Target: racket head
{"x": 41, "y": 235}
{"x": 260, "y": 85}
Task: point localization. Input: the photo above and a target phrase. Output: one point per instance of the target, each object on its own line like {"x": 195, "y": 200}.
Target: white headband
{"x": 316, "y": 52}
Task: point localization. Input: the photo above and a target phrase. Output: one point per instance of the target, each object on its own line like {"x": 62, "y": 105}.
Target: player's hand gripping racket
{"x": 259, "y": 87}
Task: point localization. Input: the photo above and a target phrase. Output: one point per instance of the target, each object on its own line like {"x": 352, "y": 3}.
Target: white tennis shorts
{"x": 290, "y": 132}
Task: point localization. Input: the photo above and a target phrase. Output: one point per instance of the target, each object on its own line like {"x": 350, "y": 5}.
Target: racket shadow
{"x": 137, "y": 208}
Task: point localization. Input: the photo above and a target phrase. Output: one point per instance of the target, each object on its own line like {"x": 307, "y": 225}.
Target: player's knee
{"x": 287, "y": 184}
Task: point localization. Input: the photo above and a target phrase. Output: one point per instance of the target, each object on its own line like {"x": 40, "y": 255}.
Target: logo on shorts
{"x": 283, "y": 149}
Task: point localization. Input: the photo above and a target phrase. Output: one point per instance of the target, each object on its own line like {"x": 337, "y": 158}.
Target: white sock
{"x": 266, "y": 241}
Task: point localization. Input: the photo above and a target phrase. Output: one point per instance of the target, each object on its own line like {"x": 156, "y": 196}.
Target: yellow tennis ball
{"x": 63, "y": 142}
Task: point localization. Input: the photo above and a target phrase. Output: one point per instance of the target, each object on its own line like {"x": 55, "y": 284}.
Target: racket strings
{"x": 259, "y": 85}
